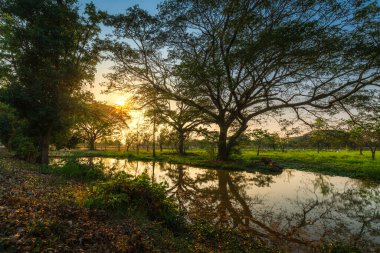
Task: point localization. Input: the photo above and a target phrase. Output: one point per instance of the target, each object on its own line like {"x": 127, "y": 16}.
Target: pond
{"x": 292, "y": 208}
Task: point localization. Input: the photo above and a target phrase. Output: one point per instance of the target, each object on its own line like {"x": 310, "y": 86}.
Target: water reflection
{"x": 293, "y": 208}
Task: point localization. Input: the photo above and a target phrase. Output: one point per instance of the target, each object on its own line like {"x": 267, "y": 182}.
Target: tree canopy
{"x": 237, "y": 60}
{"x": 48, "y": 54}
{"x": 98, "y": 120}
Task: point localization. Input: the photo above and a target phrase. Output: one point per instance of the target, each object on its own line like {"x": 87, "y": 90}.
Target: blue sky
{"x": 119, "y": 6}
{"x": 114, "y": 7}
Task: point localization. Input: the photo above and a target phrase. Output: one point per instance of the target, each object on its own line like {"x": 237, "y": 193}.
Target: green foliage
{"x": 24, "y": 148}
{"x": 242, "y": 141}
{"x": 123, "y": 192}
{"x": 13, "y": 134}
{"x": 342, "y": 162}
{"x": 338, "y": 247}
{"x": 50, "y": 54}
{"x": 66, "y": 139}
{"x": 98, "y": 120}
{"x": 235, "y": 61}
{"x": 73, "y": 168}
{"x": 228, "y": 239}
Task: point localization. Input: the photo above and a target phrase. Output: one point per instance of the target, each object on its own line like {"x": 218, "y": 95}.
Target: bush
{"x": 72, "y": 168}
{"x": 338, "y": 247}
{"x": 124, "y": 192}
{"x": 24, "y": 148}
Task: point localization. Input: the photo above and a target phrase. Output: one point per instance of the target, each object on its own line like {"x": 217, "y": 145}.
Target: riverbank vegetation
{"x": 302, "y": 75}
{"x": 337, "y": 162}
{"x": 45, "y": 208}
{"x": 223, "y": 84}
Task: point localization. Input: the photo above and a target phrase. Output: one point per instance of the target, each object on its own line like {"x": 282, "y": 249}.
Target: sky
{"x": 120, "y": 6}
{"x": 113, "y": 7}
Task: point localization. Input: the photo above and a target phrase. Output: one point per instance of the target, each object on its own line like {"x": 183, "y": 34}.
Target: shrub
{"x": 72, "y": 168}
{"x": 339, "y": 247}
{"x": 123, "y": 192}
{"x": 24, "y": 148}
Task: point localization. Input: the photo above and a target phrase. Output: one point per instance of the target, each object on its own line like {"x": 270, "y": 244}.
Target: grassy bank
{"x": 341, "y": 163}
{"x": 76, "y": 208}
{"x": 45, "y": 210}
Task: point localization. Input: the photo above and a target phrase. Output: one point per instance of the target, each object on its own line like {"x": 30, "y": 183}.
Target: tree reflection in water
{"x": 313, "y": 208}
{"x": 318, "y": 213}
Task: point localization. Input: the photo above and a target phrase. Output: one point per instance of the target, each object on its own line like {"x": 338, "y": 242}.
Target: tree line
{"x": 197, "y": 66}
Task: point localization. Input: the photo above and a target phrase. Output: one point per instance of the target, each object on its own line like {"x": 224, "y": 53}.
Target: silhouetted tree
{"x": 97, "y": 121}
{"x": 49, "y": 54}
{"x": 236, "y": 60}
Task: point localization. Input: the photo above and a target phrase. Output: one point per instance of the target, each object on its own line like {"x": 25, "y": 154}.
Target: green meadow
{"x": 341, "y": 163}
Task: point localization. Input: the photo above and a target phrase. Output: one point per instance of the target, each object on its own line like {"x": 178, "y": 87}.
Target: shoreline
{"x": 246, "y": 163}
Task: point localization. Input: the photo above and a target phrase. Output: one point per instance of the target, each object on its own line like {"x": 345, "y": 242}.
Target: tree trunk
{"x": 258, "y": 149}
{"x": 153, "y": 167}
{"x": 91, "y": 144}
{"x": 361, "y": 150}
{"x": 9, "y": 145}
{"x": 223, "y": 153}
{"x": 154, "y": 135}
{"x": 224, "y": 147}
{"x": 44, "y": 147}
{"x": 373, "y": 151}
{"x": 181, "y": 143}
{"x": 137, "y": 140}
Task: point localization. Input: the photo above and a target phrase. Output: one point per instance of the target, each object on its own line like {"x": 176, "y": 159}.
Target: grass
{"x": 341, "y": 163}
{"x": 54, "y": 212}
{"x": 73, "y": 169}
{"x": 45, "y": 209}
{"x": 123, "y": 192}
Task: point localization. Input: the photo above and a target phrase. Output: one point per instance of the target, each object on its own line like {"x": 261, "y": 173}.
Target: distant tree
{"x": 364, "y": 123}
{"x": 48, "y": 54}
{"x": 67, "y": 139}
{"x": 130, "y": 140}
{"x": 146, "y": 138}
{"x": 237, "y": 60}
{"x": 318, "y": 134}
{"x": 183, "y": 119}
{"x": 259, "y": 135}
{"x": 166, "y": 138}
{"x": 97, "y": 121}
{"x": 152, "y": 116}
{"x": 287, "y": 131}
{"x": 366, "y": 134}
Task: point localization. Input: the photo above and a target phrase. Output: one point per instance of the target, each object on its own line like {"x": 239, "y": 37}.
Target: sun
{"x": 121, "y": 101}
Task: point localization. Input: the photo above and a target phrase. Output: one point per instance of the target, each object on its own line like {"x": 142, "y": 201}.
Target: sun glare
{"x": 120, "y": 101}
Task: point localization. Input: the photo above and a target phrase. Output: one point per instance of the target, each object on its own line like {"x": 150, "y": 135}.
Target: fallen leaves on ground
{"x": 42, "y": 213}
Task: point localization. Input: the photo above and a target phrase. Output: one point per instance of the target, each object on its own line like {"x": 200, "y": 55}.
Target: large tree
{"x": 364, "y": 123}
{"x": 49, "y": 53}
{"x": 98, "y": 120}
{"x": 237, "y": 60}
{"x": 183, "y": 119}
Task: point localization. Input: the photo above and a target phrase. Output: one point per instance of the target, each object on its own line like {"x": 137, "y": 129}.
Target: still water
{"x": 292, "y": 208}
